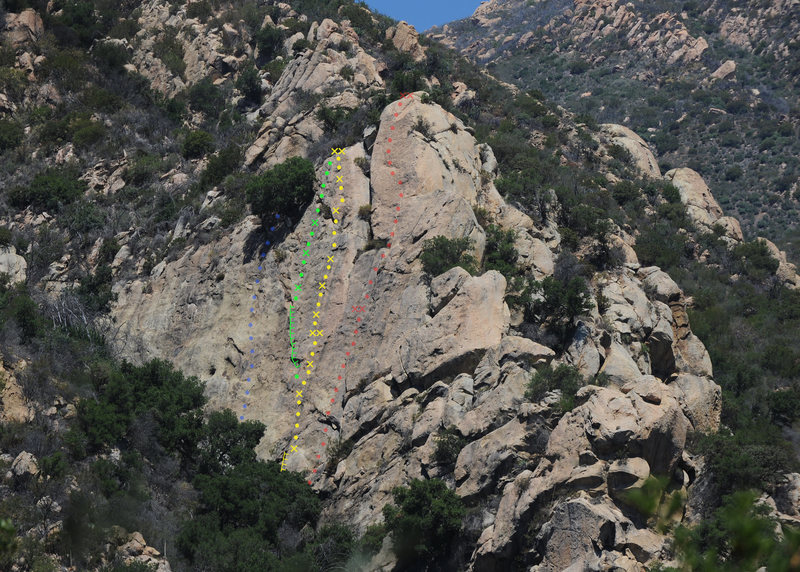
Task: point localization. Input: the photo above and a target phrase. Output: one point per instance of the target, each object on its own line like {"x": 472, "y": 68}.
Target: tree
{"x": 424, "y": 519}
{"x": 206, "y": 97}
{"x": 227, "y": 443}
{"x": 565, "y": 377}
{"x": 500, "y": 253}
{"x": 286, "y": 189}
{"x": 196, "y": 144}
{"x": 739, "y": 536}
{"x": 440, "y": 254}
{"x": 8, "y": 542}
{"x": 249, "y": 83}
{"x": 559, "y": 303}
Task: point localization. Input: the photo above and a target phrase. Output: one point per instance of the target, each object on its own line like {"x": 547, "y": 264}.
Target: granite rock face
{"x": 427, "y": 353}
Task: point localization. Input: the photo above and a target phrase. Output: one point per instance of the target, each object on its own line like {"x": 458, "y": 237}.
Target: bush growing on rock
{"x": 170, "y": 51}
{"x": 424, "y": 519}
{"x": 49, "y": 189}
{"x": 286, "y": 189}
{"x": 249, "y": 83}
{"x": 755, "y": 259}
{"x": 449, "y": 443}
{"x": 564, "y": 377}
{"x": 269, "y": 41}
{"x": 196, "y": 144}
{"x": 500, "y": 253}
{"x": 11, "y": 134}
{"x": 206, "y": 97}
{"x": 558, "y": 303}
{"x": 440, "y": 254}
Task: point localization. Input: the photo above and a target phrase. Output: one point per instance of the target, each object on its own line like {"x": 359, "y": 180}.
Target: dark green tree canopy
{"x": 285, "y": 189}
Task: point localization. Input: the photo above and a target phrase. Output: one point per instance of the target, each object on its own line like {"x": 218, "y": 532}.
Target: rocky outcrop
{"x": 701, "y": 206}
{"x": 705, "y": 212}
{"x": 287, "y": 132}
{"x": 724, "y": 70}
{"x": 642, "y": 156}
{"x": 135, "y": 550}
{"x": 662, "y": 37}
{"x": 13, "y": 265}
{"x": 23, "y": 28}
{"x": 25, "y": 465}
{"x": 406, "y": 39}
{"x": 14, "y": 407}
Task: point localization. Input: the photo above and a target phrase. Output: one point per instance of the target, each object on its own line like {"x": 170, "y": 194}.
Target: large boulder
{"x": 406, "y": 39}
{"x": 612, "y": 421}
{"x": 13, "y": 264}
{"x": 701, "y": 399}
{"x": 642, "y": 155}
{"x": 625, "y": 475}
{"x": 23, "y": 28}
{"x": 25, "y": 465}
{"x": 701, "y": 206}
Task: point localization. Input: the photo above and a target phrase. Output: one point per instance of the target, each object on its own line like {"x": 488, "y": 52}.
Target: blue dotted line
{"x": 250, "y": 325}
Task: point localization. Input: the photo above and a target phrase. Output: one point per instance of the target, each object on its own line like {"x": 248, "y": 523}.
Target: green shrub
{"x": 21, "y": 308}
{"x": 500, "y": 253}
{"x": 142, "y": 168}
{"x": 206, "y": 97}
{"x": 49, "y": 189}
{"x": 449, "y": 443}
{"x": 372, "y": 540}
{"x": 108, "y": 250}
{"x": 741, "y": 535}
{"x": 125, "y": 28}
{"x": 84, "y": 216}
{"x": 54, "y": 466}
{"x": 13, "y": 82}
{"x": 87, "y": 132}
{"x": 625, "y": 192}
{"x": 620, "y": 153}
{"x": 755, "y": 259}
{"x": 170, "y": 51}
{"x": 8, "y": 542}
{"x": 440, "y": 254}
{"x": 5, "y": 236}
{"x": 424, "y": 519}
{"x": 110, "y": 56}
{"x": 754, "y": 458}
{"x": 220, "y": 166}
{"x": 332, "y": 118}
{"x": 95, "y": 289}
{"x": 269, "y": 41}
{"x": 197, "y": 144}
{"x": 578, "y": 67}
{"x": 549, "y": 122}
{"x": 244, "y": 514}
{"x": 286, "y": 189}
{"x": 559, "y": 302}
{"x": 365, "y": 212}
{"x": 659, "y": 244}
{"x": 11, "y": 134}
{"x": 347, "y": 72}
{"x": 156, "y": 389}
{"x": 200, "y": 9}
{"x": 565, "y": 377}
{"x": 249, "y": 83}
{"x": 301, "y": 45}
{"x": 423, "y": 127}
{"x": 98, "y": 99}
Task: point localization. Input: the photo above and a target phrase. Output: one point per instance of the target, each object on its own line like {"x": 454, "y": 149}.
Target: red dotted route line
{"x": 358, "y": 320}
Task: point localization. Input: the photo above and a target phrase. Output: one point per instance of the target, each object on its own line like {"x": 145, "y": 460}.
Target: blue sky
{"x": 425, "y": 13}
